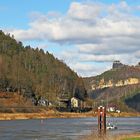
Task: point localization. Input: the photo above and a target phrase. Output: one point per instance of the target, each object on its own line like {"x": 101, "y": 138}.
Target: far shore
{"x": 56, "y": 114}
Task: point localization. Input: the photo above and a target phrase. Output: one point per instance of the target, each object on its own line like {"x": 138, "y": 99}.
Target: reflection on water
{"x": 60, "y": 129}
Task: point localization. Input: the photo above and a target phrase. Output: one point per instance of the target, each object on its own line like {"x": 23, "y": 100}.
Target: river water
{"x": 61, "y": 129}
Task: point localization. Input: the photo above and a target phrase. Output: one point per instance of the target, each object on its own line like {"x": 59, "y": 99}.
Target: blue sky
{"x": 15, "y": 13}
{"x": 86, "y": 34}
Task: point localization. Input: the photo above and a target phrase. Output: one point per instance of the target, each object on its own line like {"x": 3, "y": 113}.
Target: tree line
{"x": 34, "y": 72}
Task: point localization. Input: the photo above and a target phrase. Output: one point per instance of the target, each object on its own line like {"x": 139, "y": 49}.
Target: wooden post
{"x": 101, "y": 120}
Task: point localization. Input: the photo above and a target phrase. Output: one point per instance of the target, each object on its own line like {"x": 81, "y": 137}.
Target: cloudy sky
{"x": 88, "y": 35}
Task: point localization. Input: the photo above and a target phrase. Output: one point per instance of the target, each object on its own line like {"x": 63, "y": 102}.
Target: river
{"x": 61, "y": 129}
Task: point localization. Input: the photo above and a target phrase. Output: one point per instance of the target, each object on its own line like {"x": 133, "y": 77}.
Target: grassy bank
{"x": 135, "y": 136}
{"x": 124, "y": 114}
{"x": 55, "y": 114}
{"x": 44, "y": 114}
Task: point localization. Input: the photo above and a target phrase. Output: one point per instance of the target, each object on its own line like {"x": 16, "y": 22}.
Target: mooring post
{"x": 101, "y": 120}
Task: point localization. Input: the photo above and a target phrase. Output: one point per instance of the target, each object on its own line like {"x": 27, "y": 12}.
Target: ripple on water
{"x": 60, "y": 129}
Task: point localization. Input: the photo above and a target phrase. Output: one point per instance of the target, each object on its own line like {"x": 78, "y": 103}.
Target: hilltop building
{"x": 117, "y": 64}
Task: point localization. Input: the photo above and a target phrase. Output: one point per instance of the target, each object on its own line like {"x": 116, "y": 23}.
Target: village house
{"x": 74, "y": 102}
{"x": 43, "y": 102}
{"x": 111, "y": 108}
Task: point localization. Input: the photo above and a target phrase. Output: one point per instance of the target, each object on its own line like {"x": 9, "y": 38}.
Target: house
{"x": 112, "y": 108}
{"x": 43, "y": 102}
{"x": 63, "y": 102}
{"x": 74, "y": 102}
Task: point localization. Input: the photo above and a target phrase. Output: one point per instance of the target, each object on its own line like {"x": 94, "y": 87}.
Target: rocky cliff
{"x": 106, "y": 84}
{"x": 116, "y": 77}
{"x": 115, "y": 85}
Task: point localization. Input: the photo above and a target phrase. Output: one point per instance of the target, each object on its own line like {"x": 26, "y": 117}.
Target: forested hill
{"x": 119, "y": 86}
{"x": 126, "y": 75}
{"x": 34, "y": 72}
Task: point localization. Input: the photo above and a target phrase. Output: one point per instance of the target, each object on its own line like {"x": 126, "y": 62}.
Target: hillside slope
{"x": 116, "y": 86}
{"x": 35, "y": 73}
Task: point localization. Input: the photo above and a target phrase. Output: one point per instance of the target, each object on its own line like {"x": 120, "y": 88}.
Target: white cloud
{"x": 82, "y": 23}
{"x": 85, "y": 11}
{"x": 87, "y": 70}
{"x": 99, "y": 32}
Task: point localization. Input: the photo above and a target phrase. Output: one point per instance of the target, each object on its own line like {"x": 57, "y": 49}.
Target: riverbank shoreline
{"x": 131, "y": 136}
{"x": 56, "y": 114}
{"x": 44, "y": 115}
